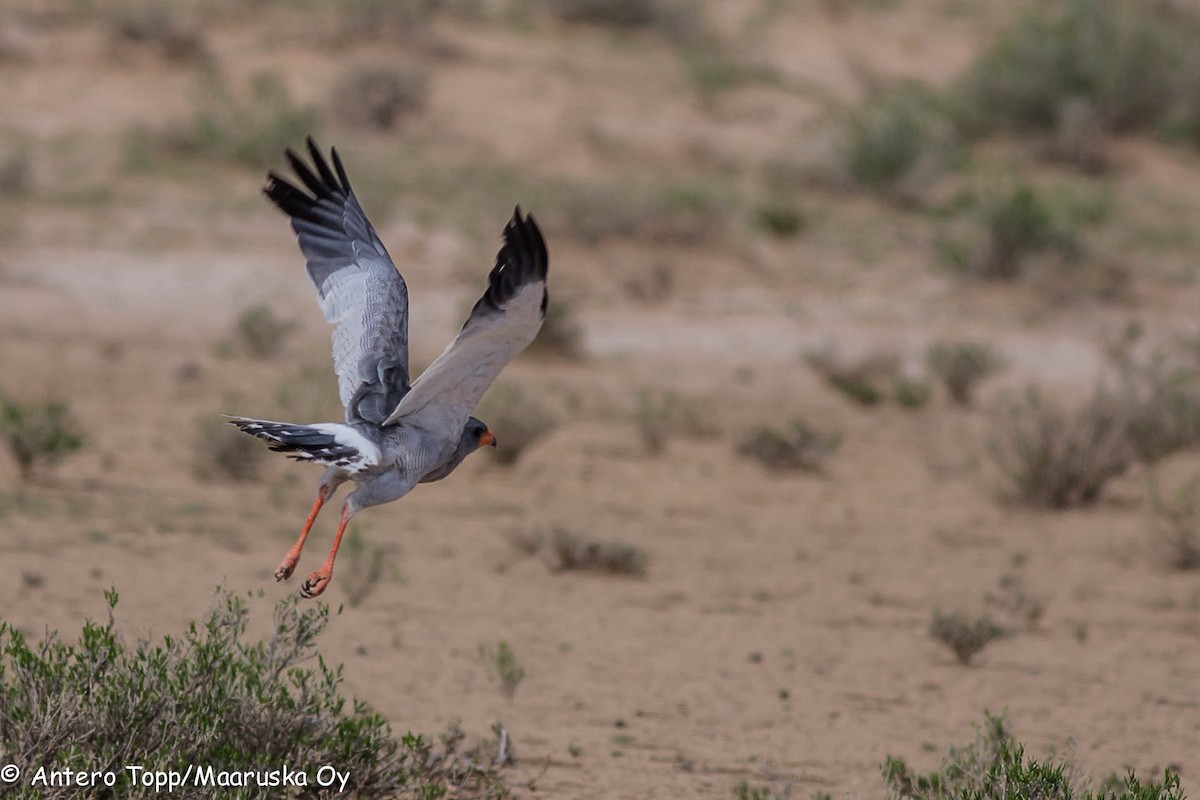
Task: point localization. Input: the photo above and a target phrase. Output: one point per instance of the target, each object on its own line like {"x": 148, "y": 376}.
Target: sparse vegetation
{"x": 662, "y": 415}
{"x": 781, "y": 219}
{"x": 909, "y": 392}
{"x": 800, "y": 447}
{"x": 897, "y": 143}
{"x": 260, "y": 334}
{"x": 39, "y": 434}
{"x": 1054, "y": 458}
{"x": 1020, "y": 608}
{"x": 502, "y": 664}
{"x": 569, "y": 552}
{"x": 516, "y": 420}
{"x": 965, "y": 637}
{"x": 380, "y": 97}
{"x": 561, "y": 335}
{"x": 1161, "y": 399}
{"x": 252, "y": 130}
{"x": 995, "y": 767}
{"x": 961, "y": 365}
{"x": 1132, "y": 64}
{"x": 171, "y": 27}
{"x": 862, "y": 380}
{"x": 1175, "y": 524}
{"x": 223, "y": 453}
{"x": 675, "y": 20}
{"x": 210, "y": 696}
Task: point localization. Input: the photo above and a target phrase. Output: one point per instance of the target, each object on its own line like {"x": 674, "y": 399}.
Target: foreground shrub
{"x": 211, "y": 697}
{"x": 38, "y": 434}
{"x": 995, "y": 767}
{"x": 1055, "y": 458}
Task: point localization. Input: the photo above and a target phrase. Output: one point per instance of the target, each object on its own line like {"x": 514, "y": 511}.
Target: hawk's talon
{"x": 315, "y": 583}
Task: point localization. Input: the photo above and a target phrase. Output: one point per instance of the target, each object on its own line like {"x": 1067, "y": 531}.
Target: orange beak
{"x": 486, "y": 438}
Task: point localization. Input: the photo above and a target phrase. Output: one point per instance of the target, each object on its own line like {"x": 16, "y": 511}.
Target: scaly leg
{"x": 317, "y": 581}
{"x": 288, "y": 565}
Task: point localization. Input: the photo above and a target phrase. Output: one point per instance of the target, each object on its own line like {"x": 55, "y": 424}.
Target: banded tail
{"x": 331, "y": 444}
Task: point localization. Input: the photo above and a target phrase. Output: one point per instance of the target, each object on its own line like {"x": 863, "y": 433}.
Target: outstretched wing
{"x": 502, "y": 323}
{"x": 360, "y": 290}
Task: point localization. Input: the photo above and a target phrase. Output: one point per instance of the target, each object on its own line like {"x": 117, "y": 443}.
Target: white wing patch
{"x": 345, "y": 435}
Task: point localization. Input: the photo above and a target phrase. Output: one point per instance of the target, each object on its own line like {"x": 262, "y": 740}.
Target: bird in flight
{"x": 396, "y": 434}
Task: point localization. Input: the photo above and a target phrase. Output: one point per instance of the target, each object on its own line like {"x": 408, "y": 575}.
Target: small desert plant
{"x": 961, "y": 365}
{"x": 38, "y": 433}
{"x": 966, "y": 638}
{"x": 502, "y": 664}
{"x": 516, "y": 420}
{"x": 910, "y": 392}
{"x": 1161, "y": 398}
{"x": 897, "y": 143}
{"x": 800, "y": 447}
{"x": 380, "y": 96}
{"x": 662, "y": 415}
{"x": 569, "y": 552}
{"x": 781, "y": 219}
{"x": 1175, "y": 524}
{"x": 1054, "y": 458}
{"x": 860, "y": 381}
{"x": 1021, "y": 608}
{"x": 223, "y": 453}
{"x": 250, "y": 130}
{"x": 212, "y": 696}
{"x": 561, "y": 335}
{"x": 994, "y": 767}
{"x": 261, "y": 334}
{"x": 1017, "y": 224}
{"x": 167, "y": 25}
{"x": 364, "y": 566}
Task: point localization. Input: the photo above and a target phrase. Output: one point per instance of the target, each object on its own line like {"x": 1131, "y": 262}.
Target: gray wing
{"x": 502, "y": 323}
{"x": 360, "y": 290}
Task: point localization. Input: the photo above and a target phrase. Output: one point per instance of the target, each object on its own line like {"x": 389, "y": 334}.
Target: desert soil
{"x": 780, "y": 633}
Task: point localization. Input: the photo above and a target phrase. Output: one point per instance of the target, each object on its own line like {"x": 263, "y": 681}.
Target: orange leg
{"x": 316, "y": 582}
{"x": 288, "y": 565}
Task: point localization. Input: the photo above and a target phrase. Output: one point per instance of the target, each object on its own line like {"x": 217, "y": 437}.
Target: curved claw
{"x": 286, "y": 567}
{"x": 315, "y": 583}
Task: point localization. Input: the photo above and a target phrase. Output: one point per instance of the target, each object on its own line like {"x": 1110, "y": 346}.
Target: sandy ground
{"x": 780, "y": 633}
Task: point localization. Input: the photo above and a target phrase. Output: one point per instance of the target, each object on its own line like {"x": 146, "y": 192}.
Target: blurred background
{"x": 867, "y": 400}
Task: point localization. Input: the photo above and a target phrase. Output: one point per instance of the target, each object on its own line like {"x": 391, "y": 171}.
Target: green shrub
{"x": 261, "y": 334}
{"x": 961, "y": 365}
{"x": 38, "y": 434}
{"x": 1055, "y": 458}
{"x": 1129, "y": 61}
{"x": 800, "y": 447}
{"x": 251, "y": 130}
{"x": 502, "y": 664}
{"x": 995, "y": 767}
{"x": 897, "y": 142}
{"x": 211, "y": 696}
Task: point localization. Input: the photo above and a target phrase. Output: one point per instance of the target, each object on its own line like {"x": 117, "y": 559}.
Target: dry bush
{"x": 961, "y": 365}
{"x": 380, "y": 96}
{"x": 965, "y": 637}
{"x": 863, "y": 380}
{"x": 259, "y": 333}
{"x": 660, "y": 416}
{"x": 1161, "y": 398}
{"x": 561, "y": 335}
{"x": 798, "y": 448}
{"x": 516, "y": 420}
{"x": 570, "y": 553}
{"x": 168, "y": 25}
{"x": 676, "y": 20}
{"x": 896, "y": 144}
{"x": 211, "y": 696}
{"x": 223, "y": 453}
{"x": 250, "y": 129}
{"x": 1021, "y": 608}
{"x": 1055, "y": 458}
{"x": 1175, "y": 524}
{"x": 39, "y": 434}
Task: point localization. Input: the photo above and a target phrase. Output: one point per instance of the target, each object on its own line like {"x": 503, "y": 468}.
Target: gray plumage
{"x": 395, "y": 434}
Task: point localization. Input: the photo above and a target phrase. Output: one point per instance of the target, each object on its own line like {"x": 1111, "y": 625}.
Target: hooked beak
{"x": 486, "y": 438}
